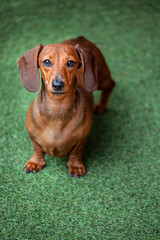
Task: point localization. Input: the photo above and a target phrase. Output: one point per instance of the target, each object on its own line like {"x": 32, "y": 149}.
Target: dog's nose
{"x": 57, "y": 85}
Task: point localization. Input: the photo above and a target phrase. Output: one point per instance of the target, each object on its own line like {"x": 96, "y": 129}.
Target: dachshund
{"x": 59, "y": 119}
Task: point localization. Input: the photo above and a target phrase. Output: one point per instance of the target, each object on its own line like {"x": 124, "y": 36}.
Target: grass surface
{"x": 119, "y": 196}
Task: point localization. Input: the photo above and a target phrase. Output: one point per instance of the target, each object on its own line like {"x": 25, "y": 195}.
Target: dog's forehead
{"x": 58, "y": 49}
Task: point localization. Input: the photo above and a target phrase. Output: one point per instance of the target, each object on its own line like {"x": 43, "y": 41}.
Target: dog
{"x": 59, "y": 120}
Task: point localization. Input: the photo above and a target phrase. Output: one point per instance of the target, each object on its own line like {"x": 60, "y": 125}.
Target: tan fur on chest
{"x": 58, "y": 136}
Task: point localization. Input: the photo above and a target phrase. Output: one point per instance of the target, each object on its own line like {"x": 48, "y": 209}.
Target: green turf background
{"x": 119, "y": 196}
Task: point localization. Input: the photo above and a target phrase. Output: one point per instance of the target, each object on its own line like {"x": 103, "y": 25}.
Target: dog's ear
{"x": 89, "y": 69}
{"x": 28, "y": 69}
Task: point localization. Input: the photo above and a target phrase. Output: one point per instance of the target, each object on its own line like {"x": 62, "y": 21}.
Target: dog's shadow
{"x": 101, "y": 140}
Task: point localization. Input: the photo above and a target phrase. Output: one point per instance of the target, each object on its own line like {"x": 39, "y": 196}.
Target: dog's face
{"x": 58, "y": 64}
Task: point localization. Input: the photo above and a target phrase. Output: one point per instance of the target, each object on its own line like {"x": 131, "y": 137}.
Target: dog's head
{"x": 58, "y": 64}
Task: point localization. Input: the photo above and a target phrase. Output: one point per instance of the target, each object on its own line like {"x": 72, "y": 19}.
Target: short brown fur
{"x": 59, "y": 123}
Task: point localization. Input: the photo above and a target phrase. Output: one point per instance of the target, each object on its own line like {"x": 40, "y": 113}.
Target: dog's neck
{"x": 61, "y": 107}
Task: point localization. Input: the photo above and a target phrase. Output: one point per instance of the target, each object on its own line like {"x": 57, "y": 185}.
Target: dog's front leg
{"x": 37, "y": 161}
{"x": 75, "y": 164}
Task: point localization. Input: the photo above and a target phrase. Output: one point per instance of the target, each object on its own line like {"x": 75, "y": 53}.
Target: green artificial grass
{"x": 119, "y": 196}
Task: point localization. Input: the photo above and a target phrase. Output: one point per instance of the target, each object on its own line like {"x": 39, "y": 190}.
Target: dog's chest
{"x": 58, "y": 141}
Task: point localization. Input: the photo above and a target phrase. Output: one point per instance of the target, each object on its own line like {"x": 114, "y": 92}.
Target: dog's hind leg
{"x": 106, "y": 87}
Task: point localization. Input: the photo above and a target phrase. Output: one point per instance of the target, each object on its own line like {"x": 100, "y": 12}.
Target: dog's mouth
{"x": 58, "y": 93}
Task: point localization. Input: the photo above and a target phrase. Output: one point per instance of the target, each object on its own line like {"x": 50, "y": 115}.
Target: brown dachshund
{"x": 59, "y": 120}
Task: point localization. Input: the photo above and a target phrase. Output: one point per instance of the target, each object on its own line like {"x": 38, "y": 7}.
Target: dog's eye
{"x": 70, "y": 64}
{"x": 47, "y": 63}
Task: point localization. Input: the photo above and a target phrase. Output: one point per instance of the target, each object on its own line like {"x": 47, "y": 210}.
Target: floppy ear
{"x": 89, "y": 69}
{"x": 28, "y": 69}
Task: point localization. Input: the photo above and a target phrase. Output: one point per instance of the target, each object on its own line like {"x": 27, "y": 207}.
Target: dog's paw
{"x": 33, "y": 167}
{"x": 76, "y": 171}
{"x": 99, "y": 109}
